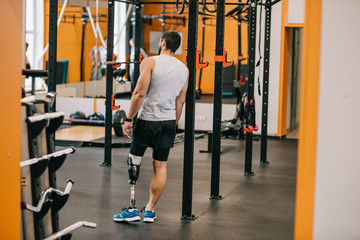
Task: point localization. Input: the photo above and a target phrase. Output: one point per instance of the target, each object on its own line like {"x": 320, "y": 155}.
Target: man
{"x": 158, "y": 99}
{"x": 94, "y": 59}
{"x": 102, "y": 54}
{"x": 27, "y": 63}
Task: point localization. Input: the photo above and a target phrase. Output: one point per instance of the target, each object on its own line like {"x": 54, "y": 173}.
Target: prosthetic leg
{"x": 131, "y": 213}
{"x": 134, "y": 163}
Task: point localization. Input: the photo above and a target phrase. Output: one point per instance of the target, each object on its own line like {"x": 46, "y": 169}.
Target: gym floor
{"x": 257, "y": 207}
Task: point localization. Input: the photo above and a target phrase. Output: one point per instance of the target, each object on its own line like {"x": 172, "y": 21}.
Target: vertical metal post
{"x": 53, "y": 14}
{"x": 190, "y": 113}
{"x": 35, "y": 182}
{"x": 198, "y": 90}
{"x": 32, "y": 85}
{"x": 50, "y": 140}
{"x": 109, "y": 84}
{"x": 84, "y": 21}
{"x": 251, "y": 51}
{"x": 52, "y": 57}
{"x": 265, "y": 92}
{"x": 163, "y": 19}
{"x": 219, "y": 48}
{"x": 52, "y": 61}
{"x": 239, "y": 46}
{"x": 137, "y": 37}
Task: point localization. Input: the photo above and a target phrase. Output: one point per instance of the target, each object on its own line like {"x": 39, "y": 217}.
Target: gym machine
{"x": 40, "y": 199}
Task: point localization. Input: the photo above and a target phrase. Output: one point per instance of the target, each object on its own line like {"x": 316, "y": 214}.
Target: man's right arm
{"x": 137, "y": 99}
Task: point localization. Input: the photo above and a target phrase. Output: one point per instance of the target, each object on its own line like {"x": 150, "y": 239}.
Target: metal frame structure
{"x": 265, "y": 93}
{"x": 137, "y": 37}
{"x": 250, "y": 91}
{"x": 109, "y": 84}
{"x": 239, "y": 46}
{"x": 190, "y": 103}
{"x": 252, "y": 48}
{"x": 190, "y": 100}
{"x": 52, "y": 55}
{"x": 216, "y": 142}
{"x": 162, "y": 18}
{"x": 180, "y": 2}
{"x": 190, "y": 112}
{"x": 52, "y": 59}
{"x": 109, "y": 72}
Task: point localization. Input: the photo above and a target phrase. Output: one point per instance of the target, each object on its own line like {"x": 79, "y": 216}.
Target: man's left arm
{"x": 180, "y": 100}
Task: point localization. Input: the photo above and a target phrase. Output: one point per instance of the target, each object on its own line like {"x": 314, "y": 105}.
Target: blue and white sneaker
{"x": 149, "y": 216}
{"x": 128, "y": 215}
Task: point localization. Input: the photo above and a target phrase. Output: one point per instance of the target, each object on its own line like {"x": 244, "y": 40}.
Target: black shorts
{"x": 160, "y": 154}
{"x": 158, "y": 135}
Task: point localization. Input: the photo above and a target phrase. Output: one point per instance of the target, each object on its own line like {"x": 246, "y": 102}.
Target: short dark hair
{"x": 172, "y": 40}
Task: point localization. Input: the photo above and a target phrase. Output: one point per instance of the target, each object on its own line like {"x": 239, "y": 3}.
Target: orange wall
{"x": 11, "y": 46}
{"x": 69, "y": 40}
{"x": 230, "y": 43}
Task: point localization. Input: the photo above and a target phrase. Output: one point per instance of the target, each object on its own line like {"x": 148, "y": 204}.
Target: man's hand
{"x": 127, "y": 128}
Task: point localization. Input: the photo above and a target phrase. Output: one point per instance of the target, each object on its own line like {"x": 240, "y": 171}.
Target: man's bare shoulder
{"x": 149, "y": 62}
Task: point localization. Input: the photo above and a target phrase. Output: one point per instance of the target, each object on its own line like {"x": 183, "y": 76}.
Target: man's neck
{"x": 167, "y": 52}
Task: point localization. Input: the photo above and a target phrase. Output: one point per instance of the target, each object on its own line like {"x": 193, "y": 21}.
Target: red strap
{"x": 114, "y": 59}
{"x": 140, "y": 58}
{"x": 251, "y": 129}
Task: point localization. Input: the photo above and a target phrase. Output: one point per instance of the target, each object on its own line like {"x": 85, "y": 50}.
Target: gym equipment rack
{"x": 40, "y": 199}
{"x": 39, "y": 124}
{"x": 219, "y": 7}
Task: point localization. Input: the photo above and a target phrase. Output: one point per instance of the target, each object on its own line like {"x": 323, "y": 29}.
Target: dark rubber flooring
{"x": 257, "y": 207}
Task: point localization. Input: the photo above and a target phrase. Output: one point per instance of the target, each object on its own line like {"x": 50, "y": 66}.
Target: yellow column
{"x": 304, "y": 210}
{"x": 11, "y": 47}
{"x": 284, "y": 62}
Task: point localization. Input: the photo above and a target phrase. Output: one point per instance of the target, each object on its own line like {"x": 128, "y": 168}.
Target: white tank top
{"x": 167, "y": 79}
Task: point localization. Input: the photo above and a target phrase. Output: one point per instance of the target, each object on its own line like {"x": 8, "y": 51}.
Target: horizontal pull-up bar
{"x": 35, "y": 73}
{"x": 172, "y": 3}
{"x": 116, "y": 63}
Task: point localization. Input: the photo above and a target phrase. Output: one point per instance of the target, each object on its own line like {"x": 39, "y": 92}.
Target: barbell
{"x": 117, "y": 123}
